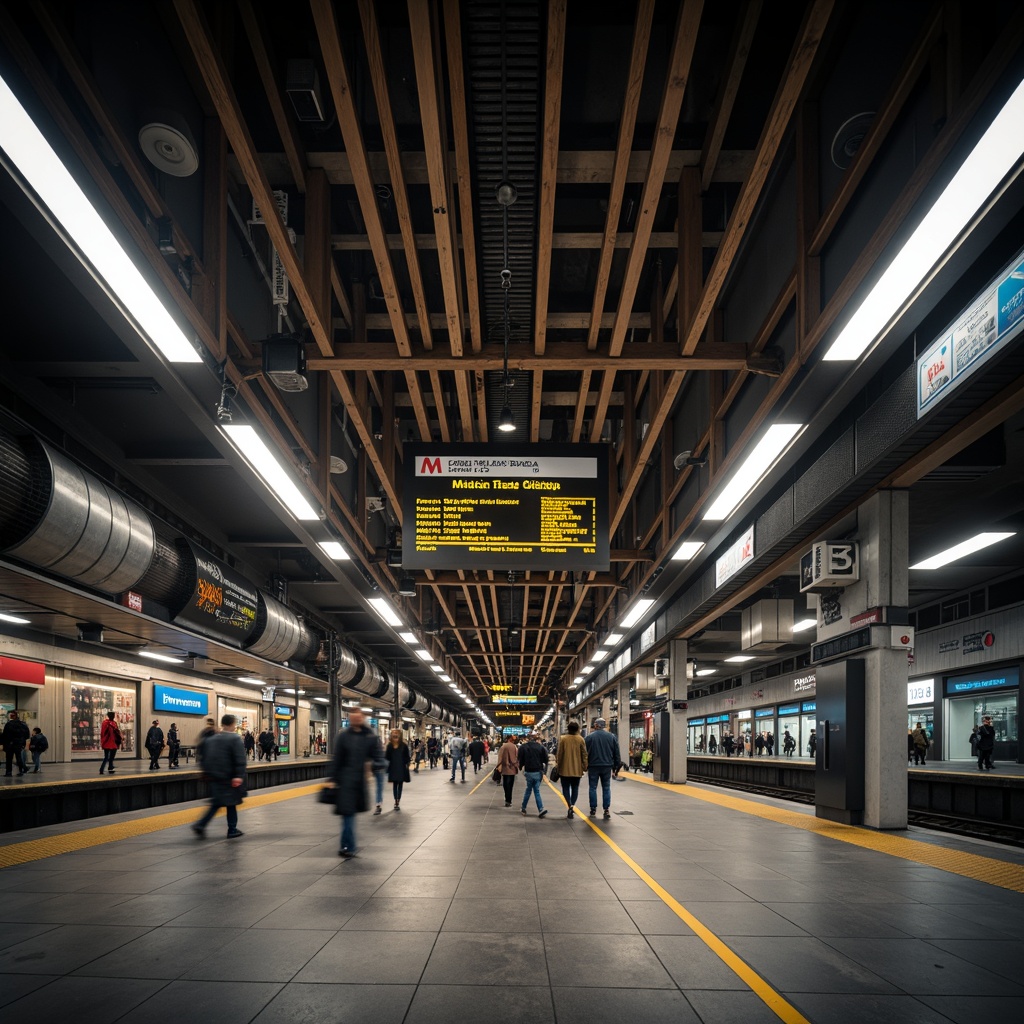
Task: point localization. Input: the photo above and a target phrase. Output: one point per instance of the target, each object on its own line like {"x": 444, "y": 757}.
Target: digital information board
{"x": 485, "y": 506}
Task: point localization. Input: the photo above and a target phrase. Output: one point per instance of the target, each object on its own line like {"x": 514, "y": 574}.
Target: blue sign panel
{"x": 764, "y": 712}
{"x": 983, "y": 681}
{"x": 182, "y": 702}
{"x": 789, "y": 709}
{"x": 696, "y": 721}
{"x": 809, "y": 705}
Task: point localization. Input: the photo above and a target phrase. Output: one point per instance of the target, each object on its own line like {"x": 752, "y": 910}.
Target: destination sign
{"x": 487, "y": 506}
{"x": 514, "y": 698}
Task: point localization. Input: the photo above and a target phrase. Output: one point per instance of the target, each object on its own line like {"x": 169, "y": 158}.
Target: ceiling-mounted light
{"x": 423, "y": 655}
{"x": 506, "y": 422}
{"x": 407, "y": 586}
{"x": 753, "y": 468}
{"x": 506, "y": 193}
{"x": 32, "y": 159}
{"x": 706, "y": 671}
{"x": 16, "y": 620}
{"x": 637, "y": 612}
{"x": 740, "y": 658}
{"x": 385, "y": 611}
{"x": 439, "y": 669}
{"x": 994, "y": 155}
{"x": 611, "y": 639}
{"x": 252, "y": 448}
{"x": 961, "y": 550}
{"x": 332, "y": 549}
{"x": 153, "y": 656}
{"x": 445, "y": 678}
{"x": 687, "y": 550}
{"x": 799, "y": 627}
{"x": 251, "y": 680}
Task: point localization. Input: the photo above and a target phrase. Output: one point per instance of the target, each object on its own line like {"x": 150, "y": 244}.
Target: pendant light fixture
{"x": 506, "y": 195}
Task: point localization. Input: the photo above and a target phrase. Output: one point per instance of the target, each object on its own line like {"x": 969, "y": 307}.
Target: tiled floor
{"x": 457, "y": 907}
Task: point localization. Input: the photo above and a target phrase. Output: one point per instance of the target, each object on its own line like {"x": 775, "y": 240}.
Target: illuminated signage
{"x": 223, "y": 602}
{"x": 183, "y": 702}
{"x": 737, "y": 556}
{"x": 804, "y": 682}
{"x": 921, "y": 691}
{"x": 22, "y": 673}
{"x": 986, "y": 681}
{"x": 514, "y": 698}
{"x": 486, "y": 506}
{"x": 764, "y": 712}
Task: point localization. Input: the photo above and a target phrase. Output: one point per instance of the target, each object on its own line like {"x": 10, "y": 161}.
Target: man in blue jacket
{"x": 602, "y": 760}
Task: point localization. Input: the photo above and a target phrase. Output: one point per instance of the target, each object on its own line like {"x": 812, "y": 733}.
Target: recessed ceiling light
{"x": 153, "y": 656}
{"x": 252, "y": 680}
{"x": 4, "y": 617}
{"x": 961, "y": 550}
{"x": 332, "y": 549}
{"x": 804, "y": 624}
{"x": 385, "y": 611}
{"x": 409, "y": 638}
{"x": 445, "y": 678}
{"x": 439, "y": 669}
{"x": 599, "y": 656}
{"x": 687, "y": 550}
{"x": 739, "y": 658}
{"x": 611, "y": 639}
{"x": 637, "y": 612}
{"x": 266, "y": 466}
{"x": 706, "y": 671}
{"x": 423, "y": 655}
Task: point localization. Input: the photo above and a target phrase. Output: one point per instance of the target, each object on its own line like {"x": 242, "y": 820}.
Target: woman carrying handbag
{"x": 571, "y": 763}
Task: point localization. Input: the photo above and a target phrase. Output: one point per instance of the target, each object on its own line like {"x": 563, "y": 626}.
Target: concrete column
{"x": 678, "y": 691}
{"x": 623, "y": 730}
{"x": 606, "y": 707}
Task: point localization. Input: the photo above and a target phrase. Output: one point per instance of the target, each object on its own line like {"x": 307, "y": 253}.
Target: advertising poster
{"x": 223, "y": 603}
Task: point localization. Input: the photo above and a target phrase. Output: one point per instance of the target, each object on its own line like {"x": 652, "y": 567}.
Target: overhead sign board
{"x": 983, "y": 328}
{"x": 174, "y": 700}
{"x": 830, "y": 564}
{"x": 514, "y": 698}
{"x": 499, "y": 506}
{"x": 738, "y": 554}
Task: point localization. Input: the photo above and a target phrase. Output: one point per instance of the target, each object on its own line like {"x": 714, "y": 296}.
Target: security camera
{"x": 687, "y": 458}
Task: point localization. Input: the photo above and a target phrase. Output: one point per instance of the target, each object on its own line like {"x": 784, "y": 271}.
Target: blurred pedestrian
{"x": 571, "y": 762}
{"x": 173, "y": 746}
{"x": 533, "y": 761}
{"x": 457, "y": 750}
{"x": 356, "y": 752}
{"x": 110, "y": 742}
{"x": 397, "y": 756}
{"x": 224, "y": 768}
{"x": 920, "y": 738}
{"x": 266, "y": 742}
{"x": 476, "y": 753}
{"x": 249, "y": 742}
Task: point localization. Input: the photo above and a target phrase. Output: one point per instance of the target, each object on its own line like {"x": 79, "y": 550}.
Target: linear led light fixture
{"x": 437, "y": 668}
{"x": 83, "y": 227}
{"x": 753, "y": 469}
{"x": 577, "y": 681}
{"x": 332, "y": 549}
{"x": 803, "y": 624}
{"x": 385, "y": 611}
{"x": 454, "y": 686}
{"x": 637, "y": 612}
{"x": 611, "y": 640}
{"x": 409, "y": 638}
{"x": 4, "y": 617}
{"x": 445, "y": 678}
{"x": 153, "y": 656}
{"x": 322, "y": 700}
{"x": 268, "y": 469}
{"x": 993, "y": 157}
{"x": 423, "y": 655}
{"x": 251, "y": 680}
{"x": 706, "y": 671}
{"x": 740, "y": 658}
{"x": 687, "y": 550}
{"x": 961, "y": 550}
{"x": 599, "y": 656}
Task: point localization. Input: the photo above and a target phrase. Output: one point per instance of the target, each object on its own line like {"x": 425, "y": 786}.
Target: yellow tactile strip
{"x": 969, "y": 865}
{"x": 52, "y": 846}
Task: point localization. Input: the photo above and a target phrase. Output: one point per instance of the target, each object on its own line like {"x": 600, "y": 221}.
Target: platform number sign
{"x": 830, "y": 564}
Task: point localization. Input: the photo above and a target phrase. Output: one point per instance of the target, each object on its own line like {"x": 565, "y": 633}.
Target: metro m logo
{"x": 430, "y": 466}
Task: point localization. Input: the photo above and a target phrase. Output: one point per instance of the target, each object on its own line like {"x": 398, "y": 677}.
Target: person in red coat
{"x": 110, "y": 742}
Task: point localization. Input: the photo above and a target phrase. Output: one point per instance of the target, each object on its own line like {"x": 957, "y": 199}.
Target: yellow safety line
{"x": 969, "y": 865}
{"x": 782, "y": 1009}
{"x": 53, "y": 846}
{"x": 486, "y": 778}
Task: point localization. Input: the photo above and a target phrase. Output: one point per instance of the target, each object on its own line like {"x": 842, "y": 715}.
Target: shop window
{"x": 978, "y": 602}
{"x": 1004, "y": 593}
{"x": 928, "y": 617}
{"x": 955, "y": 608}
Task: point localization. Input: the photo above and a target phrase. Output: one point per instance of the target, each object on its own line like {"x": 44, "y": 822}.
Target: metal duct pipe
{"x": 278, "y": 630}
{"x": 82, "y": 529}
{"x": 417, "y": 702}
{"x": 350, "y": 665}
{"x": 373, "y": 681}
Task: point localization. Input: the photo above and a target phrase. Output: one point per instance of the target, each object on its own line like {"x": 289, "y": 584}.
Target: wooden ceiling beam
{"x": 640, "y": 321}
{"x": 623, "y": 149}
{"x": 680, "y": 60}
{"x": 553, "y": 64}
{"x": 559, "y": 240}
{"x": 566, "y": 355}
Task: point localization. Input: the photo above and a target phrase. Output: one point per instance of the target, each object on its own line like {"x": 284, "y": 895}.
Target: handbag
{"x": 496, "y": 775}
{"x": 554, "y": 775}
{"x": 327, "y": 795}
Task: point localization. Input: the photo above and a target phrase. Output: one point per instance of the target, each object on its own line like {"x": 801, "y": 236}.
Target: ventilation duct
{"x": 766, "y": 626}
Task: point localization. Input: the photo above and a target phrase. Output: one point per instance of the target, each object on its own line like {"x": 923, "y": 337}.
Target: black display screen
{"x": 485, "y": 506}
{"x": 223, "y": 603}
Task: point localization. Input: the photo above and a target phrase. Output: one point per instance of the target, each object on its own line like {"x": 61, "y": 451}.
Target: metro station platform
{"x": 690, "y": 904}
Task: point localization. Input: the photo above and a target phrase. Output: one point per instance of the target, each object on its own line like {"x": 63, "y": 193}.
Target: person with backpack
{"x": 457, "y": 749}
{"x": 110, "y": 742}
{"x": 37, "y": 746}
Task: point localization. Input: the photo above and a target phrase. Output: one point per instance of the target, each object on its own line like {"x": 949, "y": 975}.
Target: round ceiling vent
{"x": 849, "y": 137}
{"x": 168, "y": 145}
{"x": 338, "y": 465}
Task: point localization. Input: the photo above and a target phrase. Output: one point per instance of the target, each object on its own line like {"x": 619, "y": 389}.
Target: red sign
{"x": 871, "y": 615}
{"x": 132, "y": 600}
{"x": 22, "y": 673}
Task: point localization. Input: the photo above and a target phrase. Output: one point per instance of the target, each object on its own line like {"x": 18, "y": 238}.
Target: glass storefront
{"x": 969, "y": 698}
{"x": 789, "y": 723}
{"x": 764, "y": 724}
{"x": 807, "y": 723}
{"x": 90, "y": 702}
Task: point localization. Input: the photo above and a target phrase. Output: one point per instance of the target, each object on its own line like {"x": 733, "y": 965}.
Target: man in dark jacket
{"x": 476, "y": 753}
{"x": 15, "y": 736}
{"x": 224, "y": 767}
{"x": 154, "y": 744}
{"x": 266, "y": 742}
{"x": 602, "y": 760}
{"x": 533, "y": 760}
{"x": 986, "y": 744}
{"x": 356, "y": 751}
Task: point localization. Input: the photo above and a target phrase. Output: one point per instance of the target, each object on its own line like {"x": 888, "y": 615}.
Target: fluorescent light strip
{"x": 439, "y": 669}
{"x": 251, "y": 680}
{"x": 423, "y": 655}
{"x": 599, "y": 656}
{"x": 332, "y": 549}
{"x": 4, "y": 617}
{"x": 51, "y": 181}
{"x": 994, "y": 156}
{"x": 687, "y": 550}
{"x": 753, "y": 469}
{"x": 269, "y": 470}
{"x": 961, "y": 550}
{"x": 409, "y": 638}
{"x": 385, "y": 611}
{"x": 637, "y": 612}
{"x": 706, "y": 671}
{"x": 799, "y": 627}
{"x": 611, "y": 639}
{"x": 740, "y": 658}
{"x": 161, "y": 657}
{"x": 445, "y": 678}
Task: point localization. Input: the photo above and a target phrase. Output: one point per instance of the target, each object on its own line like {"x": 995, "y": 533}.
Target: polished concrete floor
{"x": 677, "y": 909}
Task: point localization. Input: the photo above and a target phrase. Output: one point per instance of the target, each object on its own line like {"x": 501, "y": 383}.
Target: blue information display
{"x": 182, "y": 702}
{"x": 983, "y": 681}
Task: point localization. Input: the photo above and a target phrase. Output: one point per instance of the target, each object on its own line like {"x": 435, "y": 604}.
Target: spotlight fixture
{"x": 506, "y": 423}
{"x": 687, "y": 458}
{"x": 506, "y": 193}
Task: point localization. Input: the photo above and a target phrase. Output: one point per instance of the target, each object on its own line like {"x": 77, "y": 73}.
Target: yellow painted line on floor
{"x": 70, "y": 842}
{"x": 782, "y": 1009}
{"x": 956, "y": 862}
{"x": 486, "y": 778}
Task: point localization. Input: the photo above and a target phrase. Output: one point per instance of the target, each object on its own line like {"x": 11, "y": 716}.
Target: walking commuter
{"x": 224, "y": 768}
{"x": 154, "y": 744}
{"x": 432, "y": 749}
{"x": 759, "y": 744}
{"x": 266, "y": 742}
{"x": 769, "y": 742}
{"x": 476, "y": 754}
{"x": 602, "y": 757}
{"x": 910, "y": 745}
{"x": 15, "y": 736}
{"x": 110, "y": 742}
{"x": 571, "y": 762}
{"x": 533, "y": 760}
{"x": 986, "y": 743}
{"x": 457, "y": 750}
{"x": 508, "y": 765}
{"x": 354, "y": 749}
{"x": 788, "y": 744}
{"x": 397, "y": 756}
{"x": 173, "y": 746}
{"x": 208, "y": 730}
{"x": 249, "y": 742}
{"x": 712, "y": 744}
{"x": 920, "y": 738}
{"x": 487, "y": 751}
{"x": 728, "y": 744}
{"x": 812, "y": 744}
{"x": 37, "y": 746}
{"x": 417, "y": 754}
